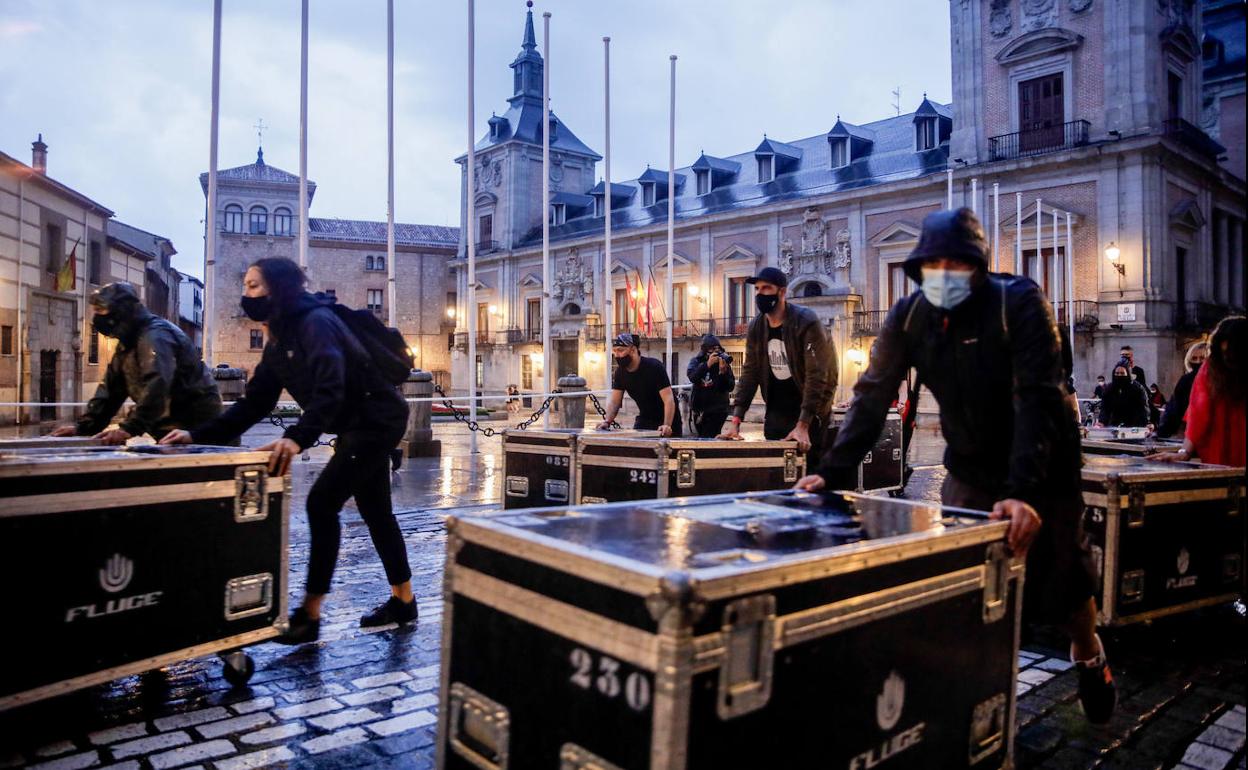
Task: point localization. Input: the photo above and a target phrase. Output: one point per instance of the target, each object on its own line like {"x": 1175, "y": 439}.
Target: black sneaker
{"x": 302, "y": 630}
{"x": 1097, "y": 692}
{"x": 395, "y": 610}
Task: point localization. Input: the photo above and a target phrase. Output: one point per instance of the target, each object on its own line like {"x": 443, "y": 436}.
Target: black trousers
{"x": 709, "y": 424}
{"x": 360, "y": 468}
{"x": 776, "y": 426}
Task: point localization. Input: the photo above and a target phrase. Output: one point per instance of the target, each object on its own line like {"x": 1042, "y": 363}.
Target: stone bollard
{"x": 418, "y": 438}
{"x": 231, "y": 382}
{"x": 572, "y": 407}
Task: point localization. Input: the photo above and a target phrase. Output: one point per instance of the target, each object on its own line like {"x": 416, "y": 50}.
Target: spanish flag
{"x": 67, "y": 276}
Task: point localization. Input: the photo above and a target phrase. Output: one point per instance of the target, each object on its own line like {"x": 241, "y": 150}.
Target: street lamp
{"x": 856, "y": 356}
{"x": 1112, "y": 253}
{"x": 450, "y": 313}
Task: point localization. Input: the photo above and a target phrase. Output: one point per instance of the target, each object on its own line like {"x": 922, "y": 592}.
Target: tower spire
{"x": 528, "y": 65}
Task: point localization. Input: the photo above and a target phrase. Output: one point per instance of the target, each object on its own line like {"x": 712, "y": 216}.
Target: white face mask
{"x": 946, "y": 288}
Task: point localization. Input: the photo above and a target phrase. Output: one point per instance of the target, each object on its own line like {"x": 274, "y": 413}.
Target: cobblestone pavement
{"x": 359, "y": 699}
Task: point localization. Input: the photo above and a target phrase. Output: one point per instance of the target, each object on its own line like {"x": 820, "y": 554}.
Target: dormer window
{"x": 925, "y": 134}
{"x": 840, "y": 151}
{"x": 766, "y": 168}
{"x": 599, "y": 206}
{"x": 558, "y": 214}
{"x": 704, "y": 182}
{"x": 647, "y": 193}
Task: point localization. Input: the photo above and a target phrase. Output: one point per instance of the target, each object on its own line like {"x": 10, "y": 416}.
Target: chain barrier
{"x": 279, "y": 421}
{"x": 601, "y": 412}
{"x": 487, "y": 430}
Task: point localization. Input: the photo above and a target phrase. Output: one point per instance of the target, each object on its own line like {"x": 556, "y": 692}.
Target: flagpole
{"x": 975, "y": 195}
{"x": 547, "y": 361}
{"x": 949, "y": 188}
{"x": 210, "y": 219}
{"x": 470, "y": 231}
{"x": 392, "y": 315}
{"x": 1070, "y": 284}
{"x": 1054, "y": 270}
{"x": 671, "y": 211}
{"x": 303, "y": 141}
{"x": 607, "y": 283}
{"x": 21, "y": 295}
{"x": 1018, "y": 233}
{"x": 1039, "y": 241}
{"x": 996, "y": 227}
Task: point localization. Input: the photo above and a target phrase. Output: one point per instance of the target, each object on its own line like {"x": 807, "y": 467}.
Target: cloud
{"x": 11, "y": 29}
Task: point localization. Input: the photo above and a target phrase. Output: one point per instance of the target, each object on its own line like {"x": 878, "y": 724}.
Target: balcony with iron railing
{"x": 1191, "y": 136}
{"x": 1201, "y": 316}
{"x": 867, "y": 322}
{"x": 1039, "y": 141}
{"x": 1086, "y": 315}
{"x": 486, "y": 247}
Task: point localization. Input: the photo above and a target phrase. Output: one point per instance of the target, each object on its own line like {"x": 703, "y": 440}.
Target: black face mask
{"x": 257, "y": 308}
{"x": 623, "y": 361}
{"x": 105, "y": 324}
{"x": 1122, "y": 380}
{"x": 1196, "y": 366}
{"x": 766, "y": 302}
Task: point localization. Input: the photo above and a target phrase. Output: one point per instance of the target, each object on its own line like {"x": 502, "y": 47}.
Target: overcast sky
{"x": 120, "y": 89}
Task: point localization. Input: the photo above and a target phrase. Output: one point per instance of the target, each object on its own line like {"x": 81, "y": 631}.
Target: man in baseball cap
{"x": 789, "y": 358}
{"x": 645, "y": 380}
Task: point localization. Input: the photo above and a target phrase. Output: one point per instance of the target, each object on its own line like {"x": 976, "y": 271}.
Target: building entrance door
{"x": 568, "y": 352}
{"x": 47, "y": 383}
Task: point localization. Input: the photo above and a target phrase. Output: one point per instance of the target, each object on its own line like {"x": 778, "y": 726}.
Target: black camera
{"x": 723, "y": 356}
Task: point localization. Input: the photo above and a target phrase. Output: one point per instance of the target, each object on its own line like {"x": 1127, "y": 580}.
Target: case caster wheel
{"x": 237, "y": 668}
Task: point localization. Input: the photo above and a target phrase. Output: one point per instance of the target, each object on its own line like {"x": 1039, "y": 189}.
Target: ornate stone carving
{"x": 1038, "y": 14}
{"x": 841, "y": 254}
{"x": 815, "y": 255}
{"x": 573, "y": 283}
{"x": 496, "y": 173}
{"x": 556, "y": 172}
{"x": 1079, "y": 6}
{"x": 999, "y": 20}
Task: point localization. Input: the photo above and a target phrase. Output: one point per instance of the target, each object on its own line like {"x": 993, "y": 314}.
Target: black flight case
{"x": 762, "y": 631}
{"x": 119, "y": 561}
{"x": 611, "y": 468}
{"x": 882, "y": 469}
{"x": 1165, "y": 537}
{"x": 539, "y": 466}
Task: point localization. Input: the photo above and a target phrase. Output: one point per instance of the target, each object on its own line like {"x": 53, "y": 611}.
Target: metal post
{"x": 1039, "y": 240}
{"x": 1018, "y": 233}
{"x": 1070, "y": 283}
{"x": 975, "y": 195}
{"x": 1055, "y": 271}
{"x": 392, "y": 315}
{"x": 996, "y": 227}
{"x": 547, "y": 360}
{"x": 21, "y": 295}
{"x": 949, "y": 188}
{"x": 303, "y": 141}
{"x": 671, "y": 212}
{"x": 608, "y": 285}
{"x": 210, "y": 217}
{"x": 471, "y": 236}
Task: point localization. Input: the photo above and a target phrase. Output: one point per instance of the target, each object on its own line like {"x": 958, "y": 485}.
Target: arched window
{"x": 258, "y": 220}
{"x": 812, "y": 289}
{"x": 281, "y": 221}
{"x": 233, "y": 218}
{"x": 380, "y": 263}
{"x": 572, "y": 309}
{"x": 368, "y": 262}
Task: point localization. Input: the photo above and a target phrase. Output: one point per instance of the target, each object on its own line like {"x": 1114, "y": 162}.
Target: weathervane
{"x": 260, "y": 131}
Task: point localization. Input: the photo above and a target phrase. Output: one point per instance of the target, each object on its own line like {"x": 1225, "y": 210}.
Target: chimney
{"x": 39, "y": 155}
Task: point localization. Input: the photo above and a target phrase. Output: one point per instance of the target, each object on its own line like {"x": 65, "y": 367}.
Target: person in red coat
{"x": 1217, "y": 417}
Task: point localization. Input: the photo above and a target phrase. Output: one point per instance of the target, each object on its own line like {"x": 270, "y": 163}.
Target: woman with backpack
{"x": 344, "y": 390}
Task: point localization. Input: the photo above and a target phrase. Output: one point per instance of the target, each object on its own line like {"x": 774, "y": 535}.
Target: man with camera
{"x": 711, "y": 374}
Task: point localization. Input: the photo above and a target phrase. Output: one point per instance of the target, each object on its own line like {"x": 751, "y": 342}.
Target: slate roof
{"x": 256, "y": 172}
{"x": 891, "y": 158}
{"x": 718, "y": 165}
{"x": 364, "y": 231}
{"x": 1223, "y": 27}
{"x": 141, "y": 241}
{"x": 848, "y": 129}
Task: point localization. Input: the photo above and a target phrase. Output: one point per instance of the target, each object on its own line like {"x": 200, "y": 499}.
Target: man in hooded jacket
{"x": 987, "y": 347}
{"x": 710, "y": 372}
{"x": 155, "y": 364}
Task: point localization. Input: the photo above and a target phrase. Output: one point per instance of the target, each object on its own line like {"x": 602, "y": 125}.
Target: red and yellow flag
{"x": 67, "y": 276}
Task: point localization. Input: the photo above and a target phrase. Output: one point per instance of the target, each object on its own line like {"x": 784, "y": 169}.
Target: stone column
{"x": 418, "y": 439}
{"x": 572, "y": 405}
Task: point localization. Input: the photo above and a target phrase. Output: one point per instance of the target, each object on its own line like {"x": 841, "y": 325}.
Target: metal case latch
{"x": 250, "y": 501}
{"x": 987, "y": 728}
{"x": 573, "y": 757}
{"x": 592, "y": 500}
{"x": 1135, "y": 509}
{"x": 790, "y": 465}
{"x": 557, "y": 490}
{"x": 749, "y": 653}
{"x": 685, "y": 472}
{"x": 517, "y": 486}
{"x": 479, "y": 728}
{"x": 996, "y": 582}
{"x": 866, "y": 460}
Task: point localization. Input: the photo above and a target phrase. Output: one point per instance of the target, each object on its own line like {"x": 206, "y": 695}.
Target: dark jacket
{"x": 1125, "y": 405}
{"x": 994, "y": 365}
{"x": 1176, "y": 408}
{"x": 312, "y": 354}
{"x": 157, "y": 366}
{"x": 711, "y": 385}
{"x": 812, "y": 359}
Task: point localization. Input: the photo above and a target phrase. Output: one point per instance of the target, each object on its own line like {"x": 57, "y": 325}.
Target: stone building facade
{"x": 257, "y": 216}
{"x": 1083, "y": 108}
{"x": 48, "y": 351}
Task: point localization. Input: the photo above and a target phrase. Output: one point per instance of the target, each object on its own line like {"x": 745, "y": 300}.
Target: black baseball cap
{"x": 770, "y": 275}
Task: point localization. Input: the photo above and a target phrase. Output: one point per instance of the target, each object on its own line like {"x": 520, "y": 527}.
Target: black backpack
{"x": 387, "y": 350}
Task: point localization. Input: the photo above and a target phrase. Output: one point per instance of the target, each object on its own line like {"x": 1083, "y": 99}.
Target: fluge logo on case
{"x": 889, "y": 702}
{"x": 888, "y": 707}
{"x": 116, "y": 574}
